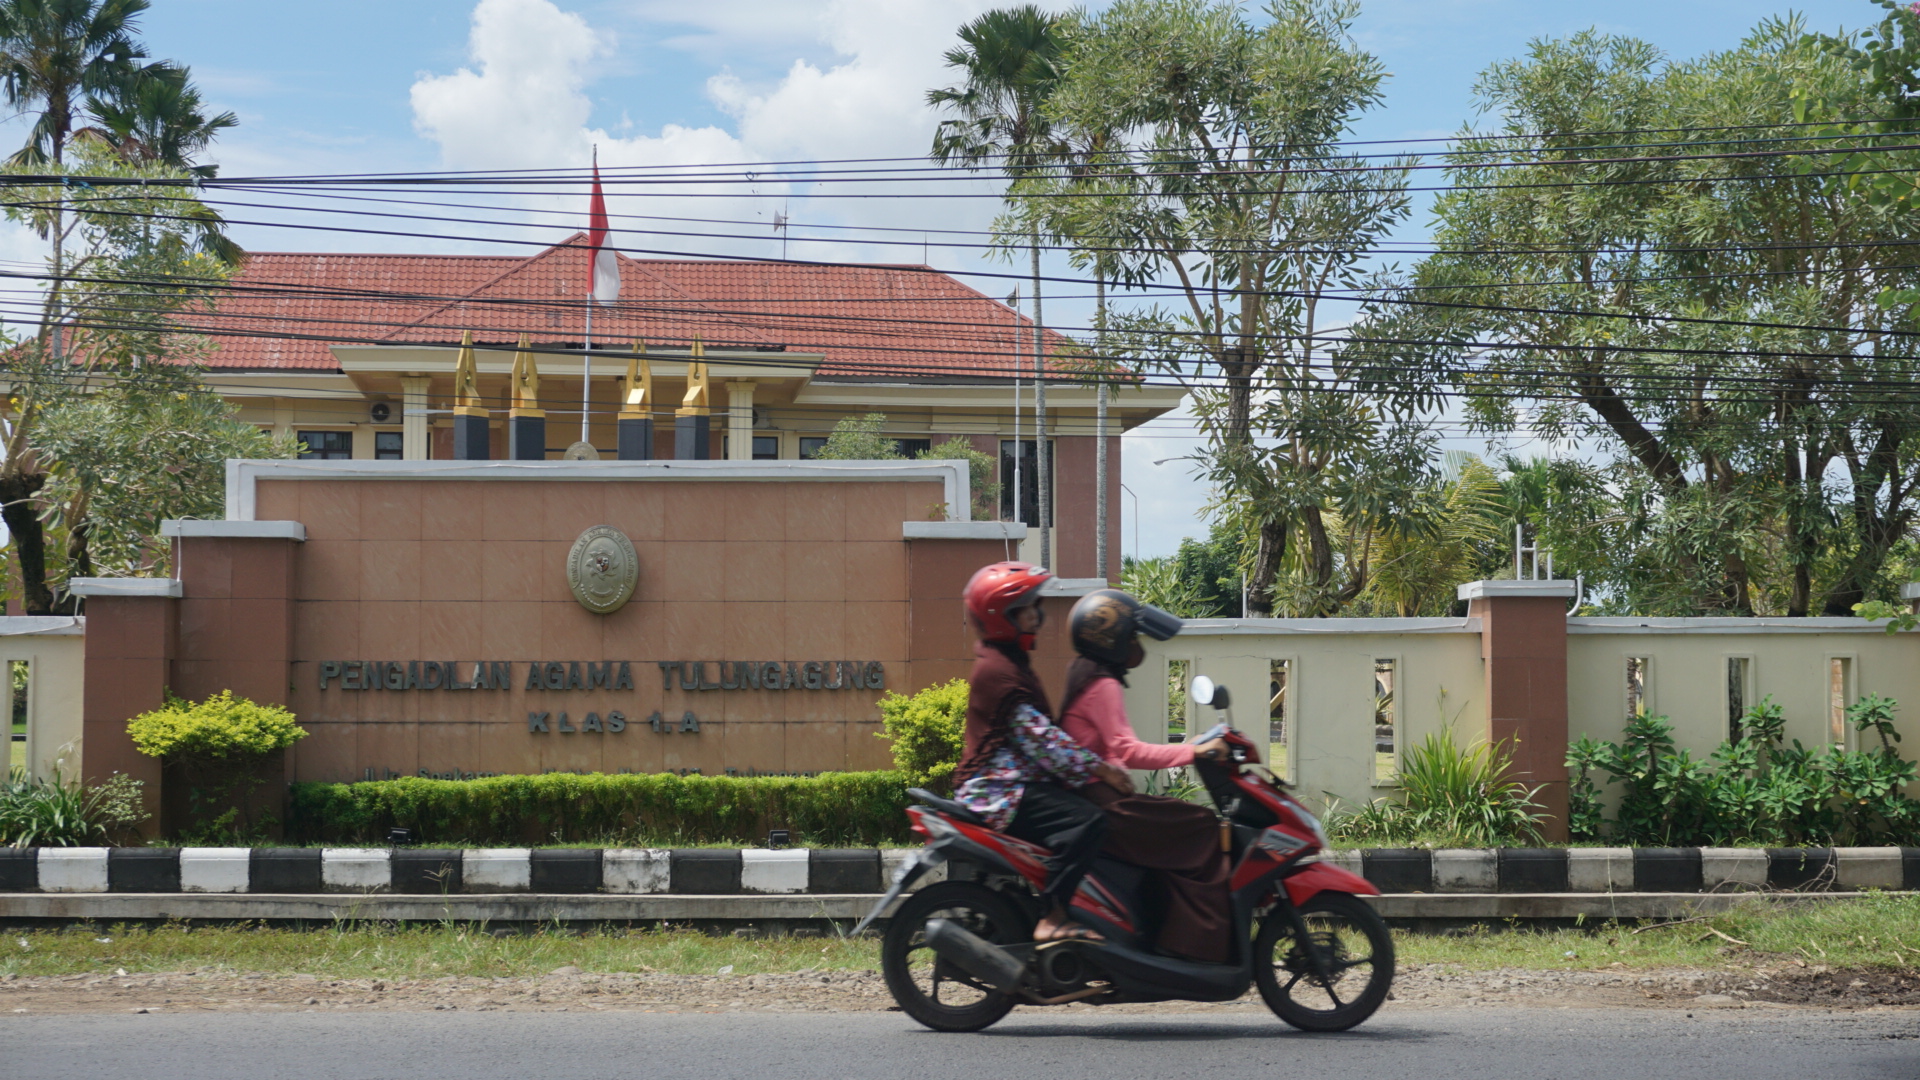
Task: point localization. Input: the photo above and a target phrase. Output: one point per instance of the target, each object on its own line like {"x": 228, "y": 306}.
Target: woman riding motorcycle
{"x": 1017, "y": 770}
{"x": 1178, "y": 838}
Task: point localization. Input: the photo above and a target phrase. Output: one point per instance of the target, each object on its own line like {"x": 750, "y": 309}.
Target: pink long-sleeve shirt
{"x": 1097, "y": 720}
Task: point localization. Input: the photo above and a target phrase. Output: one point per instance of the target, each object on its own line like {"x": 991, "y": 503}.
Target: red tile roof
{"x": 283, "y": 310}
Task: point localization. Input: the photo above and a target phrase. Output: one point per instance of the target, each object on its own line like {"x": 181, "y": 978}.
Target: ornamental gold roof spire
{"x": 696, "y": 402}
{"x": 466, "y": 381}
{"x": 526, "y": 381}
{"x": 636, "y": 393}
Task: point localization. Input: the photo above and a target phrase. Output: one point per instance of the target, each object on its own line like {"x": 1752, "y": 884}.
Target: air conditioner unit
{"x": 380, "y": 412}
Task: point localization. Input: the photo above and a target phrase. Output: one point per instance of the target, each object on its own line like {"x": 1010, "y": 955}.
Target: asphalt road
{"x": 1481, "y": 1044}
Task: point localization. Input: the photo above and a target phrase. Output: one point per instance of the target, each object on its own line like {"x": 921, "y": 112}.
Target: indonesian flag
{"x": 603, "y": 283}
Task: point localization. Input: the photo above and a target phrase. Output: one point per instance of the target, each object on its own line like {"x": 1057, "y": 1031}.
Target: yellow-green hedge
{"x": 221, "y": 728}
{"x": 833, "y": 809}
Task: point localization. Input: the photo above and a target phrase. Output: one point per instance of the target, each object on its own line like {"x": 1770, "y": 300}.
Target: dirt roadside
{"x": 568, "y": 989}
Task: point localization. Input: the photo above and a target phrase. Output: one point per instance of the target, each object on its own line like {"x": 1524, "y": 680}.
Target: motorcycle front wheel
{"x": 1357, "y": 947}
{"x": 929, "y": 988}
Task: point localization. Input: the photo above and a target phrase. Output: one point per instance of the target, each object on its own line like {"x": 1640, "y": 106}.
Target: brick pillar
{"x": 941, "y": 557}
{"x": 236, "y": 617}
{"x": 131, "y": 641}
{"x": 1523, "y": 643}
{"x": 236, "y": 625}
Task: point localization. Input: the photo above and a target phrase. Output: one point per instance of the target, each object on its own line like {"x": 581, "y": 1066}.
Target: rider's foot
{"x": 1054, "y": 930}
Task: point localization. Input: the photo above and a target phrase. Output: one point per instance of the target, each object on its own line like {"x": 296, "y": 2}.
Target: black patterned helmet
{"x": 1105, "y": 622}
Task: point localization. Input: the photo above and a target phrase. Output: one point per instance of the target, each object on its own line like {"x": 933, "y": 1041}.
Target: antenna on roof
{"x": 780, "y": 220}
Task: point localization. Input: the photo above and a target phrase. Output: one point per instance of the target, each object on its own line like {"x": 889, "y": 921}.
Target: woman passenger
{"x": 1177, "y": 838}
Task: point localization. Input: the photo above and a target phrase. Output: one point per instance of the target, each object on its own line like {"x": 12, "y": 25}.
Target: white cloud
{"x": 873, "y": 102}
{"x": 523, "y": 102}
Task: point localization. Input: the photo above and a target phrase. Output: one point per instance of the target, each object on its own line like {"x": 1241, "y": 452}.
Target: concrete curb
{"x": 782, "y": 909}
{"x": 858, "y": 871}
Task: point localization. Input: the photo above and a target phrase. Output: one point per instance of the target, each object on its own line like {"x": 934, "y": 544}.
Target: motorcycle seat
{"x": 946, "y": 806}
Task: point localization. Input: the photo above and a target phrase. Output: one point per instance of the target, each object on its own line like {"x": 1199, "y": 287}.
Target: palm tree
{"x": 158, "y": 118}
{"x": 54, "y": 54}
{"x": 1009, "y": 57}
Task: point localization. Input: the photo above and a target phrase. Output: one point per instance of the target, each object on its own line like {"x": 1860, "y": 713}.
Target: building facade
{"x": 357, "y": 356}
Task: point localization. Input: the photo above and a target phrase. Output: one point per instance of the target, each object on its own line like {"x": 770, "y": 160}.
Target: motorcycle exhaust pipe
{"x": 973, "y": 955}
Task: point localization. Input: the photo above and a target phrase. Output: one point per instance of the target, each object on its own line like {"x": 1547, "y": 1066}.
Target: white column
{"x": 740, "y": 420}
{"x": 413, "y": 412}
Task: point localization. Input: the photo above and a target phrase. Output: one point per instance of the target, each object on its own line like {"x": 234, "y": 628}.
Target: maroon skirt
{"x": 1182, "y": 842}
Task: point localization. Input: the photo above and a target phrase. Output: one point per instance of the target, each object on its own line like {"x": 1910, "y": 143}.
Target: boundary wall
{"x": 1520, "y": 671}
{"x": 54, "y": 648}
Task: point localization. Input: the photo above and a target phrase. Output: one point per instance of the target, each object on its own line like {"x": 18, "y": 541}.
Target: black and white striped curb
{"x": 1645, "y": 870}
{"x": 734, "y": 871}
{"x": 701, "y": 871}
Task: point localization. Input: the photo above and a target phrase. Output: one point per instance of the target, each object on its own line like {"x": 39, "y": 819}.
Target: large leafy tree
{"x": 142, "y": 254}
{"x": 1222, "y": 181}
{"x": 1699, "y": 288}
{"x": 121, "y": 461}
{"x": 114, "y": 146}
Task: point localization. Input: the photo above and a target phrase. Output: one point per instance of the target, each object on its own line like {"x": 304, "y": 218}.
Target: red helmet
{"x": 996, "y": 591}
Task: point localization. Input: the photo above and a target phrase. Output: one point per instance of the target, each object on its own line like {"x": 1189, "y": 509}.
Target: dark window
{"x": 327, "y": 445}
{"x": 389, "y": 445}
{"x": 766, "y": 447}
{"x": 913, "y": 448}
{"x": 1029, "y": 481}
{"x": 810, "y": 446}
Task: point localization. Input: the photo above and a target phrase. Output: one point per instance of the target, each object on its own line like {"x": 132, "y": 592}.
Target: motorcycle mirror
{"x": 1221, "y": 699}
{"x": 1202, "y": 691}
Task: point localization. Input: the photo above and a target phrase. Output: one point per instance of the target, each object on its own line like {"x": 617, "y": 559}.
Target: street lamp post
{"x": 1136, "y": 519}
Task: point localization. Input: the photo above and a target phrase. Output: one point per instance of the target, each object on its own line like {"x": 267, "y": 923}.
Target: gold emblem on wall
{"x": 602, "y": 569}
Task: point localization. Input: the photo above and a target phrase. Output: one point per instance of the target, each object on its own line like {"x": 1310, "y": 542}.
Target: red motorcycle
{"x": 959, "y": 955}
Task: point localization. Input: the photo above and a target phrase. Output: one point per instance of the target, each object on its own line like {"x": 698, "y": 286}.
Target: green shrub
{"x": 980, "y": 470}
{"x": 221, "y": 728}
{"x": 926, "y": 732}
{"x": 858, "y": 438}
{"x": 1755, "y": 791}
{"x": 61, "y": 813}
{"x": 221, "y": 746}
{"x": 850, "y": 809}
{"x": 1450, "y": 796}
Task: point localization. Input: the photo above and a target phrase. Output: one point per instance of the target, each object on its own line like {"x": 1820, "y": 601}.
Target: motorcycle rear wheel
{"x": 930, "y": 989}
{"x": 1361, "y": 956}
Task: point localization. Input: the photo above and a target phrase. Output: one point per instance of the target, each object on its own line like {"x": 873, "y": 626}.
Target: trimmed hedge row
{"x": 860, "y": 809}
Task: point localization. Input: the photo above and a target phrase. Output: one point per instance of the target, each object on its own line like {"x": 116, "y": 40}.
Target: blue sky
{"x": 398, "y": 85}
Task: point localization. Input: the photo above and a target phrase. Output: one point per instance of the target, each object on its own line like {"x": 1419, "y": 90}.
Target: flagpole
{"x": 598, "y": 292}
{"x": 586, "y": 352}
{"x": 586, "y": 371}
{"x": 1014, "y": 303}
